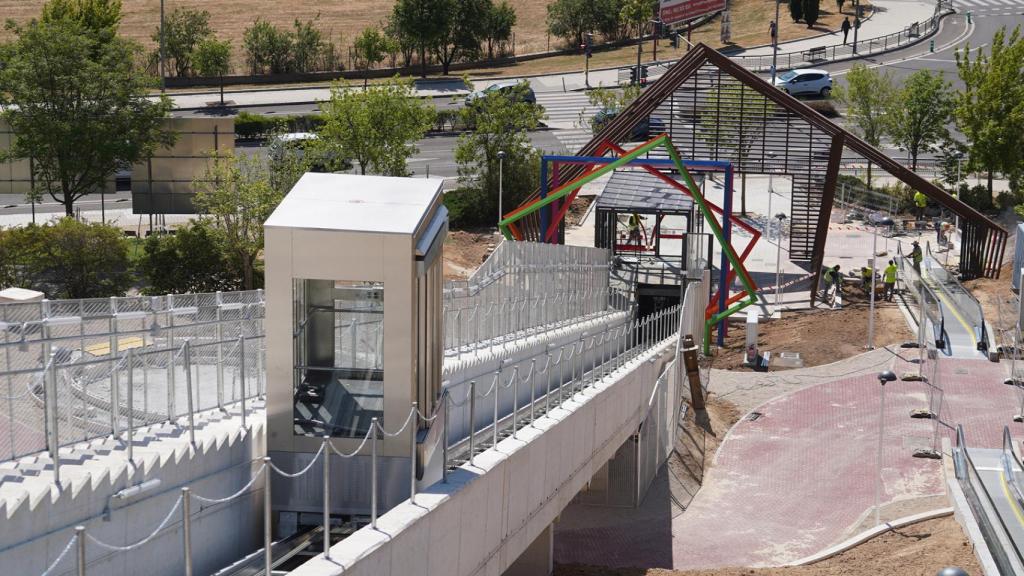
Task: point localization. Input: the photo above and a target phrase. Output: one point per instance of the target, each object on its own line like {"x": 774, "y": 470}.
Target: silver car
{"x": 808, "y": 81}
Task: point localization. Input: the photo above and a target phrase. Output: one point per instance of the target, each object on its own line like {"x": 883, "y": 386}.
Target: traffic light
{"x": 643, "y": 75}
{"x": 632, "y": 75}
{"x": 588, "y": 45}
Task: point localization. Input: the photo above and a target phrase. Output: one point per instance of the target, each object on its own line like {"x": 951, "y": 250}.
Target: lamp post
{"x": 877, "y": 220}
{"x": 775, "y": 39}
{"x": 656, "y": 24}
{"x": 856, "y": 23}
{"x": 163, "y": 75}
{"x": 770, "y": 155}
{"x": 778, "y": 264}
{"x": 501, "y": 178}
{"x": 883, "y": 377}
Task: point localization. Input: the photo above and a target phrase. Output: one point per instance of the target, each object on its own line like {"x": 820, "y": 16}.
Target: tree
{"x": 921, "y": 109}
{"x": 464, "y": 32}
{"x": 237, "y": 196}
{"x": 99, "y": 17}
{"x": 990, "y": 108}
{"x": 796, "y": 9}
{"x": 423, "y": 24}
{"x": 636, "y": 14}
{"x": 810, "y": 10}
{"x": 868, "y": 96}
{"x": 502, "y": 122}
{"x": 571, "y": 19}
{"x": 268, "y": 48}
{"x": 370, "y": 48}
{"x": 79, "y": 107}
{"x": 839, "y": 5}
{"x": 498, "y": 26}
{"x": 191, "y": 260}
{"x": 609, "y": 101}
{"x": 377, "y": 127}
{"x": 184, "y": 30}
{"x": 950, "y": 158}
{"x": 212, "y": 58}
{"x": 308, "y": 47}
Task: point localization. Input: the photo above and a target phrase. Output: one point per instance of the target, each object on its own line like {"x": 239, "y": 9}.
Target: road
{"x": 566, "y": 109}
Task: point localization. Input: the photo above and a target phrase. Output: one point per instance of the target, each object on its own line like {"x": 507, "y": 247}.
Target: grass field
{"x": 342, "y": 21}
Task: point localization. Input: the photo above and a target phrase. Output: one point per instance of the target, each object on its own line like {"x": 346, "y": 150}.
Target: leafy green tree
{"x": 502, "y": 122}
{"x": 920, "y": 111}
{"x": 464, "y": 33}
{"x": 191, "y": 260}
{"x": 78, "y": 106}
{"x": 100, "y": 17}
{"x": 839, "y": 5}
{"x": 237, "y": 196}
{"x": 184, "y": 30}
{"x": 572, "y": 19}
{"x": 423, "y": 24}
{"x": 309, "y": 49}
{"x": 268, "y": 49}
{"x": 796, "y": 10}
{"x": 868, "y": 96}
{"x": 500, "y": 20}
{"x": 990, "y": 107}
{"x": 810, "y": 10}
{"x": 376, "y": 127}
{"x": 370, "y": 48}
{"x": 212, "y": 58}
{"x": 608, "y": 100}
{"x": 636, "y": 14}
{"x": 951, "y": 156}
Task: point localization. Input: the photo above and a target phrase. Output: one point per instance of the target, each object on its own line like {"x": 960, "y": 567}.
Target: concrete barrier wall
{"x": 36, "y": 525}
{"x": 487, "y": 515}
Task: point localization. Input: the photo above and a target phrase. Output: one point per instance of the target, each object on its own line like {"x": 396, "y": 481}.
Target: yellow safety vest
{"x": 890, "y": 274}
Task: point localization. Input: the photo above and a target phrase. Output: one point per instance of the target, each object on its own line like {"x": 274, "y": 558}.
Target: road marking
{"x": 966, "y": 34}
{"x": 1013, "y": 501}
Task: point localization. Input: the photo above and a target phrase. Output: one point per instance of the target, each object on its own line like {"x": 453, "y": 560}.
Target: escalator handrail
{"x": 905, "y": 272}
{"x": 981, "y": 329}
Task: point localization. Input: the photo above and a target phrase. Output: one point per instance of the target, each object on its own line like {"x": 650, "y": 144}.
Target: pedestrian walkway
{"x": 797, "y": 475}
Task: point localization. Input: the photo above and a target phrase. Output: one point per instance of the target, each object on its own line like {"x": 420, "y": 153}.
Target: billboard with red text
{"x": 673, "y": 11}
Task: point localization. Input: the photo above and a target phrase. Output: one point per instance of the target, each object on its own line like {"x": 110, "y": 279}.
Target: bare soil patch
{"x": 465, "y": 250}
{"x": 996, "y": 296}
{"x": 918, "y": 550}
{"x": 341, "y": 22}
{"x": 821, "y": 336}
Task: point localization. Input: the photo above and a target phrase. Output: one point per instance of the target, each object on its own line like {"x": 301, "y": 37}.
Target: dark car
{"x": 643, "y": 130}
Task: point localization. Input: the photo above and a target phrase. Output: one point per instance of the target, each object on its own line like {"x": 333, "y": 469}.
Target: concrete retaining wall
{"x": 487, "y": 515}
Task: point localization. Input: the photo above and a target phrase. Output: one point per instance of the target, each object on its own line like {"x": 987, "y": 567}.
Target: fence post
{"x": 187, "y": 354}
{"x": 373, "y": 473}
{"x": 533, "y": 387}
{"x": 444, "y": 439}
{"x": 220, "y": 352}
{"x": 268, "y": 553}
{"x": 131, "y": 404}
{"x": 80, "y": 545}
{"x": 497, "y": 390}
{"x": 241, "y": 374}
{"x": 515, "y": 399}
{"x": 186, "y": 528}
{"x": 327, "y": 496}
{"x": 472, "y": 419}
{"x": 50, "y": 418}
{"x": 414, "y": 420}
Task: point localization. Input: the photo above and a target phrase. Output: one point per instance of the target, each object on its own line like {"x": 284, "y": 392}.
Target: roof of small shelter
{"x": 642, "y": 192}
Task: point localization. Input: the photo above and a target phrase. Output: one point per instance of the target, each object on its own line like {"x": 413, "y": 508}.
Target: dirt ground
{"x": 997, "y": 298}
{"x": 820, "y": 336}
{"x": 464, "y": 251}
{"x": 918, "y": 550}
{"x": 341, "y": 22}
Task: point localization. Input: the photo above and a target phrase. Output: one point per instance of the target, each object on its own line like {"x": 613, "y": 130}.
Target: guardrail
{"x": 965, "y": 302}
{"x": 839, "y": 51}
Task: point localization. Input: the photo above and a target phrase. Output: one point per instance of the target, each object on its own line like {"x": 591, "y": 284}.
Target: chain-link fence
{"x": 75, "y": 370}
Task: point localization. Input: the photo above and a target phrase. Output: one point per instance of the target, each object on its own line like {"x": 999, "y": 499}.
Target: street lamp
{"x": 878, "y": 221}
{"x": 501, "y": 178}
{"x": 163, "y": 75}
{"x": 770, "y": 155}
{"x": 883, "y": 377}
{"x": 778, "y": 264}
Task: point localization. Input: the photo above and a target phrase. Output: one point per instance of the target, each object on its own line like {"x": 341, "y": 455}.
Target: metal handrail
{"x": 977, "y": 314}
{"x": 938, "y": 322}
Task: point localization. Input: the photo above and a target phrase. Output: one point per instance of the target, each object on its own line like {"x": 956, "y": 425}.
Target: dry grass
{"x": 342, "y": 21}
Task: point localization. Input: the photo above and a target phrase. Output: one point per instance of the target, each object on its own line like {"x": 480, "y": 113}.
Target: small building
{"x": 354, "y": 280}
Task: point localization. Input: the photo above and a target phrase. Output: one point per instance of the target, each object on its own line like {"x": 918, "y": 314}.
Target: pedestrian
{"x": 889, "y": 280}
{"x": 846, "y": 28}
{"x": 940, "y": 238}
{"x": 773, "y": 31}
{"x": 917, "y": 256}
{"x": 867, "y": 273}
{"x": 634, "y": 229}
{"x": 920, "y": 203}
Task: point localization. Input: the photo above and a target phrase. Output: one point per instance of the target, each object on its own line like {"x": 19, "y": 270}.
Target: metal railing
{"x": 839, "y": 51}
{"x": 929, "y": 306}
{"x": 965, "y": 302}
{"x": 76, "y": 370}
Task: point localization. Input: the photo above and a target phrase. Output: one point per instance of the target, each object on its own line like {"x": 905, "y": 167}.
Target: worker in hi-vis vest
{"x": 889, "y": 280}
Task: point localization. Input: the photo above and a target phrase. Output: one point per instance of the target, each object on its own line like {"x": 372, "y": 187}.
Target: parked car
{"x": 296, "y": 143}
{"x": 643, "y": 130}
{"x": 803, "y": 82}
{"x": 509, "y": 87}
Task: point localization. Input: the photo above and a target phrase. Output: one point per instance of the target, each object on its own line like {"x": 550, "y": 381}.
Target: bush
{"x": 66, "y": 259}
{"x": 250, "y": 126}
{"x": 1008, "y": 200}
{"x": 191, "y": 260}
{"x": 466, "y": 208}
{"x": 824, "y": 107}
{"x": 977, "y": 197}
